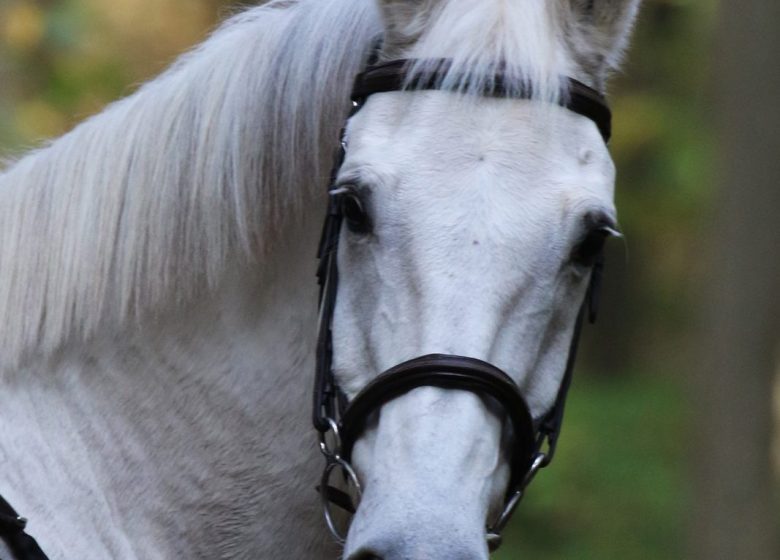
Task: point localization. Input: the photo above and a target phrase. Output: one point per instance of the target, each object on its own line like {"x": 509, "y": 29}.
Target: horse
{"x": 157, "y": 279}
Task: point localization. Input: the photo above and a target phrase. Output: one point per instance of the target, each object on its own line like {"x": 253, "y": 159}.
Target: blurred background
{"x": 667, "y": 450}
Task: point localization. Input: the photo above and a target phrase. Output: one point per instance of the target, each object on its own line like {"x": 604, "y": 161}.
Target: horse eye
{"x": 354, "y": 212}
{"x": 592, "y": 245}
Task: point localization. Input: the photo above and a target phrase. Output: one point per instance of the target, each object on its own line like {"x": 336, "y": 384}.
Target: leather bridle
{"x": 339, "y": 422}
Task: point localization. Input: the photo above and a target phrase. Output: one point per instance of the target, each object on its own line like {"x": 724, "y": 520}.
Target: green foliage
{"x": 61, "y": 61}
{"x": 663, "y": 148}
{"x": 615, "y": 490}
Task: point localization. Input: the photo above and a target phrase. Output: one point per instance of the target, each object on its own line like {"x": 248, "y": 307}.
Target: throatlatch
{"x": 342, "y": 422}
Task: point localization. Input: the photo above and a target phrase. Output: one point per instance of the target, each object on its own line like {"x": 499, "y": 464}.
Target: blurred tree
{"x": 735, "y": 501}
{"x": 663, "y": 152}
{"x": 63, "y": 60}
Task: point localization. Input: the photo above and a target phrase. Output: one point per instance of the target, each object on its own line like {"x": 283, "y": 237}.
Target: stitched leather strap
{"x": 447, "y": 372}
{"x": 395, "y": 76}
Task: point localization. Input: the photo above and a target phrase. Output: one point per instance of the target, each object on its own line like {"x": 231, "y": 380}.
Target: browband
{"x": 396, "y": 75}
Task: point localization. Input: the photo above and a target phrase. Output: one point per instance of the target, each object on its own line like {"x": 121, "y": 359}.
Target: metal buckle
{"x": 331, "y": 451}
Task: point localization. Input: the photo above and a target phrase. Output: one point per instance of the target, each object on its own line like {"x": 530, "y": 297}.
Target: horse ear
{"x": 600, "y": 30}
{"x": 404, "y": 22}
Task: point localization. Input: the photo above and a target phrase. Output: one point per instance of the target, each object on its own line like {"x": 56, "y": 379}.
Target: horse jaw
{"x": 476, "y": 205}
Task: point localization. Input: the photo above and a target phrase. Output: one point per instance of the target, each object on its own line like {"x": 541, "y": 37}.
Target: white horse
{"x": 157, "y": 285}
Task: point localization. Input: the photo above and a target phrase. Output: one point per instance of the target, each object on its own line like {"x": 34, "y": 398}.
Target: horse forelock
{"x": 523, "y": 39}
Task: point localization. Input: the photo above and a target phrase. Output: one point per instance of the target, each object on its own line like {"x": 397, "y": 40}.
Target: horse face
{"x": 470, "y": 231}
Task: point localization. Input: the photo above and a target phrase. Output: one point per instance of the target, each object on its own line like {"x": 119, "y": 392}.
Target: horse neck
{"x": 202, "y": 411}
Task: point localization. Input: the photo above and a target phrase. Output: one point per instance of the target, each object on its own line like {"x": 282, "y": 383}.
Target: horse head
{"x": 473, "y": 220}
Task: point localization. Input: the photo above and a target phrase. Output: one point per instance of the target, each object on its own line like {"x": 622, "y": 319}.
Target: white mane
{"x": 150, "y": 201}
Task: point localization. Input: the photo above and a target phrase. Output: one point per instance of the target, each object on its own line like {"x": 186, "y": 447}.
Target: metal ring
{"x": 351, "y": 477}
{"x": 539, "y": 462}
{"x": 494, "y": 531}
{"x": 326, "y": 450}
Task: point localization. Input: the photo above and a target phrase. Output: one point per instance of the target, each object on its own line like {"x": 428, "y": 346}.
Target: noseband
{"x": 340, "y": 422}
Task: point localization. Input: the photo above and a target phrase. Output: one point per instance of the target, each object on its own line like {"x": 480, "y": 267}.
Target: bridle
{"x": 339, "y": 422}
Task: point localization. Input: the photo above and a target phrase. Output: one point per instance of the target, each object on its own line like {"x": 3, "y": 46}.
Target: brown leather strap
{"x": 395, "y": 75}
{"x": 447, "y": 372}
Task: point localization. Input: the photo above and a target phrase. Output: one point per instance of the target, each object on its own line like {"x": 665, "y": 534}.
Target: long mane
{"x": 146, "y": 203}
